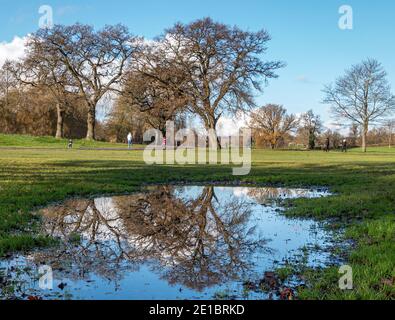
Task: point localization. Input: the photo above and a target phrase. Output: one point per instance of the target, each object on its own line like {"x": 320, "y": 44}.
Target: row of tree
{"x": 205, "y": 69}
{"x": 274, "y": 127}
{"x": 362, "y": 96}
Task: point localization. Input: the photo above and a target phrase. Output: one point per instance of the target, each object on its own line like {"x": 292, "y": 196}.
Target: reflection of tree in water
{"x": 199, "y": 242}
{"x": 203, "y": 241}
{"x": 93, "y": 239}
{"x": 267, "y": 195}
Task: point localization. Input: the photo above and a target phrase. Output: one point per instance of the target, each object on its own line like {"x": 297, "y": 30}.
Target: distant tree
{"x": 378, "y": 136}
{"x": 390, "y": 128}
{"x": 363, "y": 95}
{"x": 337, "y": 139}
{"x": 312, "y": 125}
{"x": 354, "y": 134}
{"x": 95, "y": 60}
{"x": 222, "y": 66}
{"x": 7, "y": 82}
{"x": 32, "y": 110}
{"x": 123, "y": 119}
{"x": 9, "y": 94}
{"x": 273, "y": 123}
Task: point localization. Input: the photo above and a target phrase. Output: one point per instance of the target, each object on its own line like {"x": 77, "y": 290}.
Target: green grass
{"x": 364, "y": 200}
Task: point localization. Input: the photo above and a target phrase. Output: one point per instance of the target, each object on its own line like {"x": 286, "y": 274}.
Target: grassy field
{"x": 364, "y": 200}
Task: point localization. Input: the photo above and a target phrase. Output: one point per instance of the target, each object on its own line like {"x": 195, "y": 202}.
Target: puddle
{"x": 167, "y": 243}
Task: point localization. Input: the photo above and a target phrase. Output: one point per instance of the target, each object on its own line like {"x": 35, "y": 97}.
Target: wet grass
{"x": 364, "y": 200}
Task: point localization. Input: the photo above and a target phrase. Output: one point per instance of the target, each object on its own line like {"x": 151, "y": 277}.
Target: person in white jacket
{"x": 130, "y": 140}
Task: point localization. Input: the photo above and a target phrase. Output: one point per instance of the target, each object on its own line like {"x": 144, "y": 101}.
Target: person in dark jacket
{"x": 327, "y": 145}
{"x": 344, "y": 145}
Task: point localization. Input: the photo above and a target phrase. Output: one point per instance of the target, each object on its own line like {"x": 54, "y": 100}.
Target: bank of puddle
{"x": 170, "y": 242}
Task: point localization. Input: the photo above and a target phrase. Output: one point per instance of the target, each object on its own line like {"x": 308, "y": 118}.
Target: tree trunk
{"x": 219, "y": 146}
{"x": 211, "y": 124}
{"x": 91, "y": 123}
{"x": 365, "y": 130}
{"x": 311, "y": 141}
{"x": 60, "y": 122}
{"x": 216, "y": 138}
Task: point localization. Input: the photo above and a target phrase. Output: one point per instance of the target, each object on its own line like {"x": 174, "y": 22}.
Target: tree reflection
{"x": 93, "y": 239}
{"x": 196, "y": 240}
{"x": 268, "y": 195}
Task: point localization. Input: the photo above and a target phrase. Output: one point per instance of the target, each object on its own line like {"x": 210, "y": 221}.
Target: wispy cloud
{"x": 342, "y": 129}
{"x": 228, "y": 126}
{"x": 303, "y": 79}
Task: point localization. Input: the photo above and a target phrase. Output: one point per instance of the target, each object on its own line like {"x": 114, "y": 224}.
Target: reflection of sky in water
{"x": 107, "y": 274}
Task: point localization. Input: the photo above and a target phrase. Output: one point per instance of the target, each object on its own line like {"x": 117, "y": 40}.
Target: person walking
{"x": 344, "y": 146}
{"x": 130, "y": 140}
{"x": 327, "y": 145}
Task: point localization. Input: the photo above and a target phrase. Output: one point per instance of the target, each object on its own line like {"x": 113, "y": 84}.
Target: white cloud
{"x": 344, "y": 130}
{"x": 230, "y": 126}
{"x": 12, "y": 50}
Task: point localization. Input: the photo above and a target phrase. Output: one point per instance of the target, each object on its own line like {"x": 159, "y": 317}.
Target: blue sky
{"x": 305, "y": 34}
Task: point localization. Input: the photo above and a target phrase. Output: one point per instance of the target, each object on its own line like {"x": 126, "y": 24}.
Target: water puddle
{"x": 167, "y": 243}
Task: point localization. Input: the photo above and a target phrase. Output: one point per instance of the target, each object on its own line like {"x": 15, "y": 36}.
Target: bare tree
{"x": 41, "y": 68}
{"x": 124, "y": 119}
{"x": 222, "y": 66}
{"x": 8, "y": 95}
{"x": 363, "y": 95}
{"x": 354, "y": 134}
{"x": 7, "y": 82}
{"x": 158, "y": 102}
{"x": 95, "y": 60}
{"x": 273, "y": 122}
{"x": 390, "y": 128}
{"x": 312, "y": 126}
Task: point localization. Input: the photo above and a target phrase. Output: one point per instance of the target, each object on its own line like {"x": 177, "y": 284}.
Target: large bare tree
{"x": 273, "y": 122}
{"x": 222, "y": 66}
{"x": 41, "y": 68}
{"x": 95, "y": 59}
{"x": 362, "y": 95}
{"x": 311, "y": 126}
{"x": 158, "y": 102}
